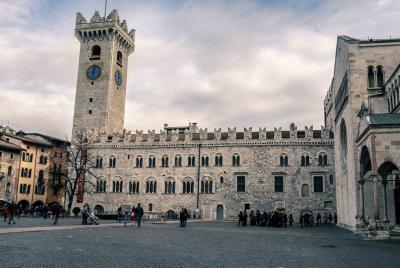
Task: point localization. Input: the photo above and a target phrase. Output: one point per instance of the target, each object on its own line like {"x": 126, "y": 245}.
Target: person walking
{"x": 5, "y": 213}
{"x": 55, "y": 209}
{"x": 290, "y": 219}
{"x": 258, "y": 218}
{"x": 133, "y": 215}
{"x": 240, "y": 216}
{"x": 285, "y": 220}
{"x": 85, "y": 214}
{"x": 45, "y": 211}
{"x": 139, "y": 214}
{"x": 245, "y": 218}
{"x": 19, "y": 211}
{"x": 185, "y": 216}
{"x": 12, "y": 209}
{"x": 181, "y": 218}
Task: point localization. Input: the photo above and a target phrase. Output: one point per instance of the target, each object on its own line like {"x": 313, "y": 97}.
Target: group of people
{"x": 271, "y": 218}
{"x": 307, "y": 219}
{"x": 135, "y": 216}
{"x": 11, "y": 211}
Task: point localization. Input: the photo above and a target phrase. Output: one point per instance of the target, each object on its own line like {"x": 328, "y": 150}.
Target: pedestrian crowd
{"x": 281, "y": 219}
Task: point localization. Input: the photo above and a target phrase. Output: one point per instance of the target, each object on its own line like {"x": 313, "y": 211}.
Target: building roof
{"x": 384, "y": 119}
{"x": 8, "y": 145}
{"x": 49, "y": 138}
{"x": 27, "y": 140}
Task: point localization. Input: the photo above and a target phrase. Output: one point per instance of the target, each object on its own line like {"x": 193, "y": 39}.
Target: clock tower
{"x": 105, "y": 44}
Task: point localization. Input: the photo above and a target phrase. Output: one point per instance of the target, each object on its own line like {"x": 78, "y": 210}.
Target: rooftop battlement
{"x": 104, "y": 28}
{"x": 199, "y": 135}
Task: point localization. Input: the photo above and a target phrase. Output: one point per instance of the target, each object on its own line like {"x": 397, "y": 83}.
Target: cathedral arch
{"x": 371, "y": 77}
{"x": 379, "y": 76}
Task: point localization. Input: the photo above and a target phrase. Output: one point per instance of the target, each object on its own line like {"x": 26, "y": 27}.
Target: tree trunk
{"x": 70, "y": 200}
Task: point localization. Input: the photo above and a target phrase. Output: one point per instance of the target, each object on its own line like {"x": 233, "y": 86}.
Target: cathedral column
{"x": 384, "y": 184}
{"x": 362, "y": 205}
{"x": 376, "y": 199}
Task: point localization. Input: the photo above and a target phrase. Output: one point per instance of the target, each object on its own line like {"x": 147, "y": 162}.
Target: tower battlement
{"x": 217, "y": 136}
{"x": 99, "y": 28}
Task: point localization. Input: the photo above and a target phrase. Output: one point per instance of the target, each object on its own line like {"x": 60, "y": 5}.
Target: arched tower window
{"x": 283, "y": 160}
{"x": 119, "y": 58}
{"x": 371, "y": 77}
{"x": 96, "y": 52}
{"x": 379, "y": 76}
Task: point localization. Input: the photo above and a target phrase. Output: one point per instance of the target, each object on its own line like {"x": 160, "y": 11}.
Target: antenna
{"x": 105, "y": 9}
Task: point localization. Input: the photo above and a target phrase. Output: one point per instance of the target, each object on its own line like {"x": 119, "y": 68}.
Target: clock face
{"x": 93, "y": 72}
{"x": 118, "y": 77}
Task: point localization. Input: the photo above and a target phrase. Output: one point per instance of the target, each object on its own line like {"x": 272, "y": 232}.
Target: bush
{"x": 76, "y": 210}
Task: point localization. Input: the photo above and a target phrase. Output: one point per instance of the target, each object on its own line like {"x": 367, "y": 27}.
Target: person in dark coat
{"x": 285, "y": 219}
{"x": 258, "y": 218}
{"x": 252, "y": 218}
{"x": 12, "y": 209}
{"x": 335, "y": 218}
{"x": 240, "y": 216}
{"x": 185, "y": 216}
{"x": 139, "y": 214}
{"x": 181, "y": 218}
{"x": 290, "y": 219}
{"x": 245, "y": 218}
{"x": 56, "y": 210}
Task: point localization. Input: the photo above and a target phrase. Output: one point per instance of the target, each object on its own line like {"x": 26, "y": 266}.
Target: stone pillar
{"x": 384, "y": 184}
{"x": 362, "y": 205}
{"x": 376, "y": 199}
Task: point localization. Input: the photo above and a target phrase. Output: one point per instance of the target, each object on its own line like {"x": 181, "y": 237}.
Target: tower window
{"x": 379, "y": 76}
{"x": 119, "y": 58}
{"x": 90, "y": 99}
{"x": 371, "y": 77}
{"x": 92, "y": 83}
{"x": 96, "y": 52}
{"x": 90, "y": 111}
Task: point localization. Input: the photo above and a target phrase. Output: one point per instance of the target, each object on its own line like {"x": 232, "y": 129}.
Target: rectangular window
{"x": 90, "y": 99}
{"x": 241, "y": 184}
{"x": 150, "y": 207}
{"x": 318, "y": 184}
{"x": 90, "y": 111}
{"x": 279, "y": 184}
{"x": 246, "y": 206}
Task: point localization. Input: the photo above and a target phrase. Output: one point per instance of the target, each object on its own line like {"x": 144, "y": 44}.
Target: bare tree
{"x": 80, "y": 161}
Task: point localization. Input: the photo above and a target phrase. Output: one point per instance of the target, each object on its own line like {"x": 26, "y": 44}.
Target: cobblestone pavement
{"x": 201, "y": 244}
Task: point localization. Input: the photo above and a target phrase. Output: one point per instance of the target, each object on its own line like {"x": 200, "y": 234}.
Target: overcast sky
{"x": 217, "y": 63}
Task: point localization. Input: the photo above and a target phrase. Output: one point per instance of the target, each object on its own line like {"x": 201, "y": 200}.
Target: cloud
{"x": 220, "y": 63}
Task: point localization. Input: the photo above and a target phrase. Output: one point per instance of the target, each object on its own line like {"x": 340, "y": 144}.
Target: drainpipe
{"x": 198, "y": 176}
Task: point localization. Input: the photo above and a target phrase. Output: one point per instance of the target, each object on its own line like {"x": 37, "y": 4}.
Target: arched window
{"x": 188, "y": 186}
{"x": 117, "y": 186}
{"x": 283, "y": 160}
{"x": 23, "y": 156}
{"x": 41, "y": 176}
{"x": 169, "y": 186}
{"x": 164, "y": 161}
{"x": 119, "y": 58}
{"x": 41, "y": 159}
{"x": 191, "y": 161}
{"x": 219, "y": 160}
{"x": 9, "y": 171}
{"x": 101, "y": 186}
{"x": 236, "y": 160}
{"x": 322, "y": 159}
{"x": 30, "y": 173}
{"x": 151, "y": 186}
{"x": 305, "y": 159}
{"x": 134, "y": 187}
{"x": 99, "y": 162}
{"x": 204, "y": 160}
{"x": 206, "y": 185}
{"x": 178, "y": 161}
{"x": 379, "y": 76}
{"x": 371, "y": 77}
{"x": 305, "y": 190}
{"x": 343, "y": 143}
{"x": 365, "y": 161}
{"x": 8, "y": 187}
{"x": 152, "y": 161}
{"x": 139, "y": 161}
{"x": 112, "y": 162}
{"x": 96, "y": 52}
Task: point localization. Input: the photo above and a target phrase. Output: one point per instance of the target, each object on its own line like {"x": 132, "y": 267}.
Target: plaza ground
{"x": 201, "y": 244}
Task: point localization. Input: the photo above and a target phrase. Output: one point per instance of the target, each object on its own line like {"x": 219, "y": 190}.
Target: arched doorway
{"x": 98, "y": 209}
{"x": 220, "y": 212}
{"x": 171, "y": 215}
{"x": 24, "y": 204}
{"x": 388, "y": 171}
{"x": 38, "y": 203}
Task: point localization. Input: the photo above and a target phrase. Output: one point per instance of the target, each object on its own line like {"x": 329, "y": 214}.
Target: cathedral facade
{"x": 214, "y": 174}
